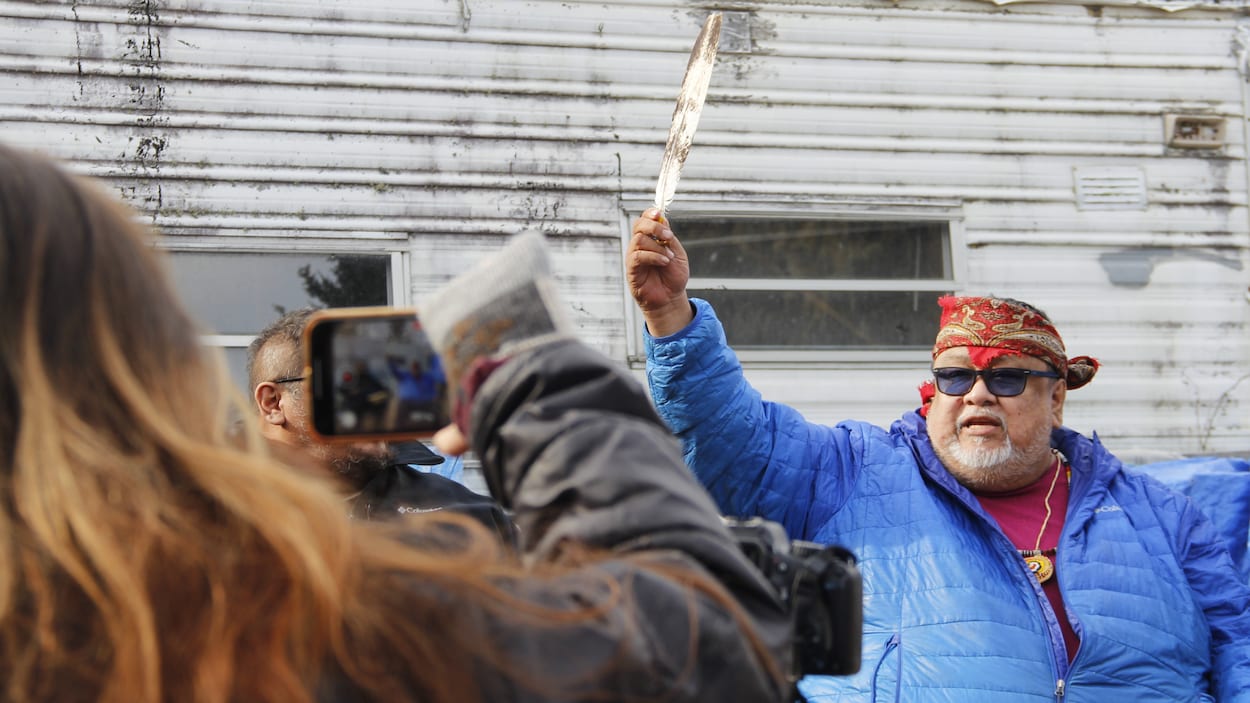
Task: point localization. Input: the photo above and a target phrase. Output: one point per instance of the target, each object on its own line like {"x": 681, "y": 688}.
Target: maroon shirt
{"x": 1020, "y": 514}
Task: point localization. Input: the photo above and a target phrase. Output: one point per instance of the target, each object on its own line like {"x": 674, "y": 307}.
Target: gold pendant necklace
{"x": 1039, "y": 563}
{"x": 1037, "y": 559}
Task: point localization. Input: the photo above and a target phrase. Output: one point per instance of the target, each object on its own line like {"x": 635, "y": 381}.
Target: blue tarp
{"x": 1221, "y": 487}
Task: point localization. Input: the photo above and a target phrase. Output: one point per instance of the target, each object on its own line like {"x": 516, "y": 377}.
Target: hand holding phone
{"x": 384, "y": 373}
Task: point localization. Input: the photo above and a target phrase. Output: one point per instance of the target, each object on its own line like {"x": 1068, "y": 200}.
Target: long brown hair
{"x": 149, "y": 548}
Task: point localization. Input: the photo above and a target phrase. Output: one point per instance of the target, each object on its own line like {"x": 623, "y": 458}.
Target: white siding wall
{"x": 441, "y": 126}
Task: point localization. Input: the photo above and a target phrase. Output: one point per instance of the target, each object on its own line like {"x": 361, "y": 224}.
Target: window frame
{"x": 948, "y": 211}
{"x": 400, "y": 267}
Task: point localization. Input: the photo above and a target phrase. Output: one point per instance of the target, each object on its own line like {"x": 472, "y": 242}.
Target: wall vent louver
{"x": 1110, "y": 188}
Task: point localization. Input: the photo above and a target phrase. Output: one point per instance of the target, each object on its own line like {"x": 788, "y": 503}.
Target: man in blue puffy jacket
{"x": 1005, "y": 557}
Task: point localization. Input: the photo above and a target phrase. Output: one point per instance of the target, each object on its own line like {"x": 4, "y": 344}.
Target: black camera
{"x": 822, "y": 588}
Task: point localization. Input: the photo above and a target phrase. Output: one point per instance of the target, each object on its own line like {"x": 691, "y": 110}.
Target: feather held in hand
{"x": 686, "y": 113}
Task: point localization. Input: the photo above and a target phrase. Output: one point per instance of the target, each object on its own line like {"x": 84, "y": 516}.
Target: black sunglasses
{"x": 287, "y": 379}
{"x": 1003, "y": 383}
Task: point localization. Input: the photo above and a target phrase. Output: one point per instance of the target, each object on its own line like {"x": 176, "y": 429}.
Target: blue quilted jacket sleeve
{"x": 755, "y": 457}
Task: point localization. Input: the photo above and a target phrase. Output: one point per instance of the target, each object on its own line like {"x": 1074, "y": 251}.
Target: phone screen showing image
{"x": 374, "y": 376}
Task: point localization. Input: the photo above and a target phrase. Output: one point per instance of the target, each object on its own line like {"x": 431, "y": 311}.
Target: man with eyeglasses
{"x": 377, "y": 479}
{"x": 275, "y": 367}
{"x": 1004, "y": 556}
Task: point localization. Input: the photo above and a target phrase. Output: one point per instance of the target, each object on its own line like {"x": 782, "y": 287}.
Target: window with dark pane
{"x": 811, "y": 320}
{"x": 821, "y": 284}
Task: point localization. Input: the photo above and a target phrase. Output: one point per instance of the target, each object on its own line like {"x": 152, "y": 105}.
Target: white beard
{"x": 978, "y": 457}
{"x": 998, "y": 469}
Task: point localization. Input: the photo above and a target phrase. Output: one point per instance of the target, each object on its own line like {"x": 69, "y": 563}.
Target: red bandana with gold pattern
{"x": 991, "y": 327}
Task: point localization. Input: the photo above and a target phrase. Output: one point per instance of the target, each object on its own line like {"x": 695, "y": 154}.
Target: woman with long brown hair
{"x": 152, "y": 550}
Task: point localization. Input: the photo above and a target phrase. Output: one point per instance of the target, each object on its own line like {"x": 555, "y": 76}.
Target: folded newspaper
{"x": 505, "y": 303}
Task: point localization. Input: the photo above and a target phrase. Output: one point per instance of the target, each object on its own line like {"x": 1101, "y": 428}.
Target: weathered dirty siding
{"x": 438, "y": 127}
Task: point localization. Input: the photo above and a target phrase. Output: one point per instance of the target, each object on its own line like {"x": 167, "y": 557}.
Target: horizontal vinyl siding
{"x": 439, "y": 127}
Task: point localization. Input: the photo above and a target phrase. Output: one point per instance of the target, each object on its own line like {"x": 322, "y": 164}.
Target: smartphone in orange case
{"x": 373, "y": 375}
